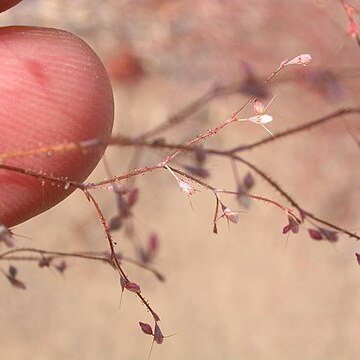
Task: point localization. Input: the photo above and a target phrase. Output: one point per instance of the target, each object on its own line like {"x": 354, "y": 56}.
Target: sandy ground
{"x": 241, "y": 294}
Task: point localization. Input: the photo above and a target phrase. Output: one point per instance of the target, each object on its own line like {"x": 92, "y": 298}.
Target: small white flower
{"x": 302, "y": 59}
{"x": 186, "y": 187}
{"x": 231, "y": 215}
{"x": 261, "y": 119}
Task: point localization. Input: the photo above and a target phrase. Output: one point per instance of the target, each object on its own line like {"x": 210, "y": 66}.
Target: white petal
{"x": 231, "y": 215}
{"x": 254, "y": 119}
{"x": 261, "y": 119}
{"x": 186, "y": 188}
{"x": 264, "y": 119}
{"x": 302, "y": 59}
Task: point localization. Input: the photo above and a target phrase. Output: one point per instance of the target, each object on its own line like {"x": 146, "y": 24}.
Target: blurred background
{"x": 244, "y": 293}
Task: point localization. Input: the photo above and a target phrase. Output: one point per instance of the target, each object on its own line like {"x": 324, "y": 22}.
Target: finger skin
{"x": 53, "y": 90}
{"x": 7, "y": 4}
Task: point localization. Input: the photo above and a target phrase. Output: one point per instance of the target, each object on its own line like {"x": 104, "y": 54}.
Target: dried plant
{"x": 191, "y": 174}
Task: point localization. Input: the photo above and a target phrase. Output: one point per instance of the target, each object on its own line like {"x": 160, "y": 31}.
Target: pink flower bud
{"x": 286, "y": 229}
{"x": 158, "y": 336}
{"x": 146, "y": 328}
{"x": 259, "y": 107}
{"x": 315, "y": 234}
{"x": 293, "y": 226}
{"x": 133, "y": 287}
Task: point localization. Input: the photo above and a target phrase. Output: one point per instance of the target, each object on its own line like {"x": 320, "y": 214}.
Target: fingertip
{"x": 54, "y": 90}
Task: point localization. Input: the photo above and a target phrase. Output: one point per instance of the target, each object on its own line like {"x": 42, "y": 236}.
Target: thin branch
{"x": 40, "y": 175}
{"x": 114, "y": 258}
{"x": 286, "y": 210}
{"x": 307, "y": 126}
{"x": 97, "y": 256}
{"x": 224, "y": 191}
{"x": 273, "y": 184}
{"x": 333, "y": 226}
{"x": 127, "y": 176}
{"x": 291, "y": 200}
{"x": 237, "y": 87}
{"x": 268, "y": 179}
{"x": 119, "y": 140}
{"x": 160, "y": 165}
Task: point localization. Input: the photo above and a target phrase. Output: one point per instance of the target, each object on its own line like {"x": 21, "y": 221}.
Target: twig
{"x": 97, "y": 256}
{"x": 114, "y": 258}
{"x": 307, "y": 126}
